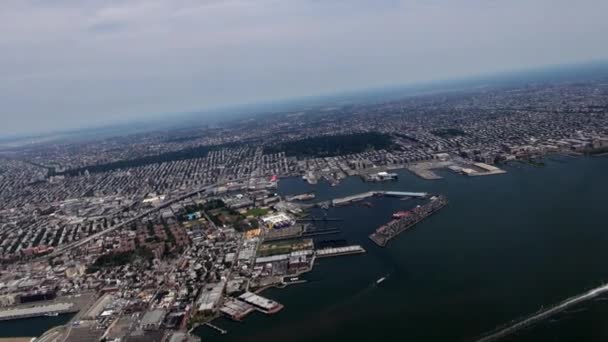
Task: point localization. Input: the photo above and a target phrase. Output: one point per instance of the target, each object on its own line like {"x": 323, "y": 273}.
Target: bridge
{"x": 542, "y": 314}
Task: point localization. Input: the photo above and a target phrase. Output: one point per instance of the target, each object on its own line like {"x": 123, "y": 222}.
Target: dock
{"x": 385, "y": 233}
{"x": 352, "y": 198}
{"x": 236, "y": 309}
{"x": 216, "y": 328}
{"x": 320, "y": 219}
{"x": 337, "y": 251}
{"x": 57, "y": 306}
{"x": 261, "y": 304}
{"x": 359, "y": 197}
{"x": 37, "y": 311}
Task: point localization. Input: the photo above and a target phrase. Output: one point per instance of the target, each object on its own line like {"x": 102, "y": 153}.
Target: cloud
{"x": 69, "y": 63}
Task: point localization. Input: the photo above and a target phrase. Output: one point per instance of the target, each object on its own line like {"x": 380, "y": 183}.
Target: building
{"x": 279, "y": 220}
{"x": 152, "y": 320}
{"x": 210, "y": 296}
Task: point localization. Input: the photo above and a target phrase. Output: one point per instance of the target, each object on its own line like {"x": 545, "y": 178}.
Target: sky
{"x": 81, "y": 63}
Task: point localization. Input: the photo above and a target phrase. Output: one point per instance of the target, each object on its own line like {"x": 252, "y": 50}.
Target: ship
{"x": 380, "y": 280}
{"x": 52, "y": 314}
{"x": 401, "y": 214}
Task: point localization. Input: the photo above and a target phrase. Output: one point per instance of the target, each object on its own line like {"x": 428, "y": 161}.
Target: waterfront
{"x": 505, "y": 246}
{"x": 31, "y": 327}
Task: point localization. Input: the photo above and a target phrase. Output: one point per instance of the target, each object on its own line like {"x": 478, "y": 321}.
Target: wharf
{"x": 318, "y": 232}
{"x": 385, "y": 233}
{"x": 60, "y": 305}
{"x": 300, "y": 197}
{"x": 261, "y": 304}
{"x": 236, "y": 309}
{"x": 337, "y": 251}
{"x": 319, "y": 219}
{"x": 216, "y": 328}
{"x": 359, "y": 197}
{"x": 37, "y": 311}
{"x": 306, "y": 234}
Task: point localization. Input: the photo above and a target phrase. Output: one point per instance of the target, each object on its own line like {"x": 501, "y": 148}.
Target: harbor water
{"x": 504, "y": 247}
{"x": 32, "y": 327}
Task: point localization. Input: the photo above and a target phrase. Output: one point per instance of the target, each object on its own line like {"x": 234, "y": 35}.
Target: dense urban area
{"x": 145, "y": 237}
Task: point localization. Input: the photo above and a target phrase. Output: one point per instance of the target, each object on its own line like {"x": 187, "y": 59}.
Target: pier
{"x": 336, "y": 251}
{"x": 319, "y": 219}
{"x": 359, "y": 197}
{"x": 216, "y": 328}
{"x": 542, "y": 314}
{"x": 318, "y": 232}
{"x": 37, "y": 311}
{"x": 404, "y": 194}
{"x": 58, "y": 306}
{"x": 385, "y": 233}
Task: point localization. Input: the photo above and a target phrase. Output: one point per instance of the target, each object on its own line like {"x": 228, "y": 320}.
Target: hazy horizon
{"x": 71, "y": 64}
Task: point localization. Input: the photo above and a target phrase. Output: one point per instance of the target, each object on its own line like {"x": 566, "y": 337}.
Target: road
{"x": 84, "y": 241}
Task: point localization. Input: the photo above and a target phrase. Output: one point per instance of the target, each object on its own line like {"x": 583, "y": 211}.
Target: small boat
{"x": 380, "y": 280}
{"x": 367, "y": 204}
{"x": 52, "y": 314}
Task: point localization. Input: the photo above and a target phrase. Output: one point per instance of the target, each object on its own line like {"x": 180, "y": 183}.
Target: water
{"x": 31, "y": 327}
{"x": 505, "y": 246}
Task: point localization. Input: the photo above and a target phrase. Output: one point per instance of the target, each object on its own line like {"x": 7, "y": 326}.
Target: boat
{"x": 52, "y": 314}
{"x": 380, "y": 280}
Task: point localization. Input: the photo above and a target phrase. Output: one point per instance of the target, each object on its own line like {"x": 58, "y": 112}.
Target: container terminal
{"x": 404, "y": 220}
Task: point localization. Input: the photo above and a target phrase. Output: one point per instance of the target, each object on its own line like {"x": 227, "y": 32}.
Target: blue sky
{"x": 75, "y": 63}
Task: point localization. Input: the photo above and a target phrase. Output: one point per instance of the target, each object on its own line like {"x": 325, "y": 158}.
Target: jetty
{"x": 359, "y": 197}
{"x": 216, "y": 328}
